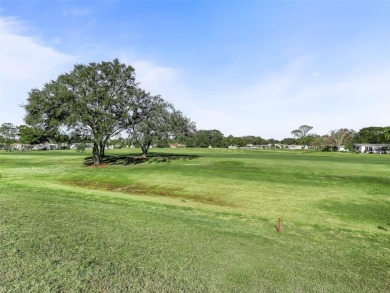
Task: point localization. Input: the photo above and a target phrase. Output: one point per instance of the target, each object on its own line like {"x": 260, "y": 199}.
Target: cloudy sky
{"x": 243, "y": 67}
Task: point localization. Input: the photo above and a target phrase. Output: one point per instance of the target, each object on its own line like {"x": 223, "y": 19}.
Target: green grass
{"x": 201, "y": 220}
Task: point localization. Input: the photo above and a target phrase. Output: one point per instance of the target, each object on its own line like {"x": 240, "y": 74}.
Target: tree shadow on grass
{"x": 134, "y": 159}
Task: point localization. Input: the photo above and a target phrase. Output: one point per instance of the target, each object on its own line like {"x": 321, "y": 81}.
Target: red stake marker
{"x": 279, "y": 228}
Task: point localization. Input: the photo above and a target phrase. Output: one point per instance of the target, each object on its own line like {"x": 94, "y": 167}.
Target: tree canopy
{"x": 387, "y": 134}
{"x": 302, "y": 134}
{"x": 373, "y": 134}
{"x": 8, "y": 133}
{"x": 98, "y": 101}
{"x": 340, "y": 137}
{"x": 157, "y": 120}
{"x": 302, "y": 131}
{"x": 93, "y": 100}
{"x": 209, "y": 138}
{"x": 33, "y": 135}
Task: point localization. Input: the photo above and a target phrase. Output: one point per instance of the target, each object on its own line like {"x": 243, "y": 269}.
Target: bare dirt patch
{"x": 148, "y": 190}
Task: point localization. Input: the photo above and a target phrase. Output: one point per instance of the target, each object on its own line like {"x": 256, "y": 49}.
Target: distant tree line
{"x": 158, "y": 136}
{"x": 340, "y": 137}
{"x": 301, "y": 136}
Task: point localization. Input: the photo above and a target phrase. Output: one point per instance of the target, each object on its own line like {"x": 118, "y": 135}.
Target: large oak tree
{"x": 95, "y": 100}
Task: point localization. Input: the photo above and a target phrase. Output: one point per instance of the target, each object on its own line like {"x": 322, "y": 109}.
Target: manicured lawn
{"x": 195, "y": 220}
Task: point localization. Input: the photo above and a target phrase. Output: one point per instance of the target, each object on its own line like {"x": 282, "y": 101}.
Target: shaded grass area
{"x": 134, "y": 159}
{"x": 202, "y": 220}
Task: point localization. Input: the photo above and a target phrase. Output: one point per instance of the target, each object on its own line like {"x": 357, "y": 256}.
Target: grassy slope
{"x": 206, "y": 224}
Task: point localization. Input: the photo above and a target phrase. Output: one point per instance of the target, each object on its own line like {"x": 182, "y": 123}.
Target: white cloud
{"x": 154, "y": 77}
{"x": 278, "y": 104}
{"x": 25, "y": 64}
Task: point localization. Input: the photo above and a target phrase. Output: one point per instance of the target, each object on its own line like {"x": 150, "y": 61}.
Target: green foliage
{"x": 80, "y": 147}
{"x": 98, "y": 101}
{"x": 8, "y": 133}
{"x": 302, "y": 134}
{"x": 372, "y": 134}
{"x": 302, "y": 131}
{"x": 31, "y": 135}
{"x": 387, "y": 134}
{"x": 340, "y": 137}
{"x": 93, "y": 99}
{"x": 289, "y": 141}
{"x": 206, "y": 138}
{"x": 119, "y": 142}
{"x": 243, "y": 140}
{"x": 157, "y": 121}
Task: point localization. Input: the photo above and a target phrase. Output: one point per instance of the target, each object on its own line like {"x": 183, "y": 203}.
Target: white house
{"x": 296, "y": 147}
{"x": 21, "y": 147}
{"x": 372, "y": 148}
{"x": 45, "y": 146}
{"x": 342, "y": 149}
{"x": 177, "y": 145}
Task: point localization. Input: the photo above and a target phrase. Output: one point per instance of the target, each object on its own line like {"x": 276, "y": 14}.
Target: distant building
{"x": 372, "y": 148}
{"x": 21, "y": 147}
{"x": 332, "y": 148}
{"x": 45, "y": 146}
{"x": 296, "y": 147}
{"x": 257, "y": 146}
{"x": 177, "y": 145}
{"x": 342, "y": 149}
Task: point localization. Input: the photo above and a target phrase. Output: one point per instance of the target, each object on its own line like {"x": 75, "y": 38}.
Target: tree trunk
{"x": 96, "y": 154}
{"x": 102, "y": 149}
{"x": 144, "y": 149}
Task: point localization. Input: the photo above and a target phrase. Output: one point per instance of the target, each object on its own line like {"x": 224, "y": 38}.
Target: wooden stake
{"x": 279, "y": 226}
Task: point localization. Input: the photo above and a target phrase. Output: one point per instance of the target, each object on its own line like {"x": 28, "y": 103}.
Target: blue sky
{"x": 243, "y": 67}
